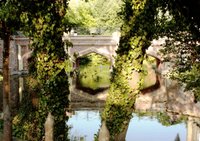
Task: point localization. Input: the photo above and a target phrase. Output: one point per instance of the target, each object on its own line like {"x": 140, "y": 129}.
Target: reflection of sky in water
{"x": 86, "y": 123}
{"x": 148, "y": 129}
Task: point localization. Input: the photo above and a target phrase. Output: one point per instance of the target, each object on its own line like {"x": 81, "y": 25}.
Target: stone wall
{"x": 169, "y": 97}
{"x": 19, "y": 54}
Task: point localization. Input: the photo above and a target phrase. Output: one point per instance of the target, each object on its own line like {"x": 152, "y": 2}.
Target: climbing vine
{"x": 145, "y": 20}
{"x": 44, "y": 23}
{"x": 136, "y": 34}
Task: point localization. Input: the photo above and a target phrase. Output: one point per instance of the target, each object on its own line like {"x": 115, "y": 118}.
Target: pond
{"x": 164, "y": 113}
{"x": 85, "y": 124}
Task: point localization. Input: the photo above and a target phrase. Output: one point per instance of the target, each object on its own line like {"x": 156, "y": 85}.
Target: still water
{"x": 85, "y": 123}
{"x": 162, "y": 115}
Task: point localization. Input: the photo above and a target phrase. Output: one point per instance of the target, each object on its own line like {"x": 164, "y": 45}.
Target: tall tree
{"x": 8, "y": 18}
{"x": 136, "y": 34}
{"x": 145, "y": 20}
{"x": 43, "y": 21}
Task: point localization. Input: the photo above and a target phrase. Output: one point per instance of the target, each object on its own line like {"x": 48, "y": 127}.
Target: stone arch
{"x": 153, "y": 52}
{"x": 97, "y": 51}
{"x": 80, "y": 54}
{"x": 103, "y": 52}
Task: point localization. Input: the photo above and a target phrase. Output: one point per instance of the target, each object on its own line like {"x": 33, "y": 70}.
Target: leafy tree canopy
{"x": 96, "y": 16}
{"x": 180, "y": 22}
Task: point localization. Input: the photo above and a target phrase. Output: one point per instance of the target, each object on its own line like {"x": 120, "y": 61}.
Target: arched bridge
{"x": 85, "y": 44}
{"x": 103, "y": 45}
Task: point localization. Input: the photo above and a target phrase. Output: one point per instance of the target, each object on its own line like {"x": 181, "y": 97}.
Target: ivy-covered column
{"x": 136, "y": 34}
{"x": 48, "y": 64}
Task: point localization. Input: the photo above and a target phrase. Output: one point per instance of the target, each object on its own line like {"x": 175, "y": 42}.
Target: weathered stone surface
{"x": 169, "y": 97}
{"x": 19, "y": 54}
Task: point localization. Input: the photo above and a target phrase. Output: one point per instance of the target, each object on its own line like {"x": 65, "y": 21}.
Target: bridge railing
{"x": 95, "y": 39}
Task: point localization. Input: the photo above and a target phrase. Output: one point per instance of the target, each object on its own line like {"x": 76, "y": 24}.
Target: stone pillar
{"x": 13, "y": 64}
{"x": 21, "y": 88}
{"x": 189, "y": 131}
{"x": 193, "y": 130}
{"x": 111, "y": 50}
{"x": 14, "y": 95}
{"x": 1, "y": 97}
{"x": 20, "y": 60}
{"x": 1, "y": 53}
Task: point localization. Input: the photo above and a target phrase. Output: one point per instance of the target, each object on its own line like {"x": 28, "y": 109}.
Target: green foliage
{"x": 80, "y": 14}
{"x": 54, "y": 99}
{"x": 28, "y": 124}
{"x": 50, "y": 64}
{"x": 106, "y": 15}
{"x": 181, "y": 48}
{"x": 9, "y": 12}
{"x": 25, "y": 122}
{"x": 97, "y": 16}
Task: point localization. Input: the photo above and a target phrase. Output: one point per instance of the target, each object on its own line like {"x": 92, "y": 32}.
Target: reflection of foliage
{"x": 165, "y": 119}
{"x": 1, "y": 78}
{"x": 94, "y": 71}
{"x": 1, "y": 125}
{"x": 76, "y": 138}
{"x": 149, "y": 80}
{"x": 177, "y": 138}
{"x": 54, "y": 99}
{"x": 84, "y": 61}
{"x": 29, "y": 122}
{"x": 96, "y": 137}
{"x": 25, "y": 122}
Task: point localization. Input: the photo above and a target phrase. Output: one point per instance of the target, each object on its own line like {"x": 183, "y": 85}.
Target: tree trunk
{"x": 7, "y": 128}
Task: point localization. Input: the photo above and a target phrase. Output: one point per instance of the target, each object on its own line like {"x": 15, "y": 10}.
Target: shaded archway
{"x": 92, "y": 73}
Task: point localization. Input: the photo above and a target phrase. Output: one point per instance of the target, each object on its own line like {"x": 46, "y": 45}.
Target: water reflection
{"x": 32, "y": 117}
{"x": 167, "y": 114}
{"x": 85, "y": 124}
{"x": 153, "y": 117}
